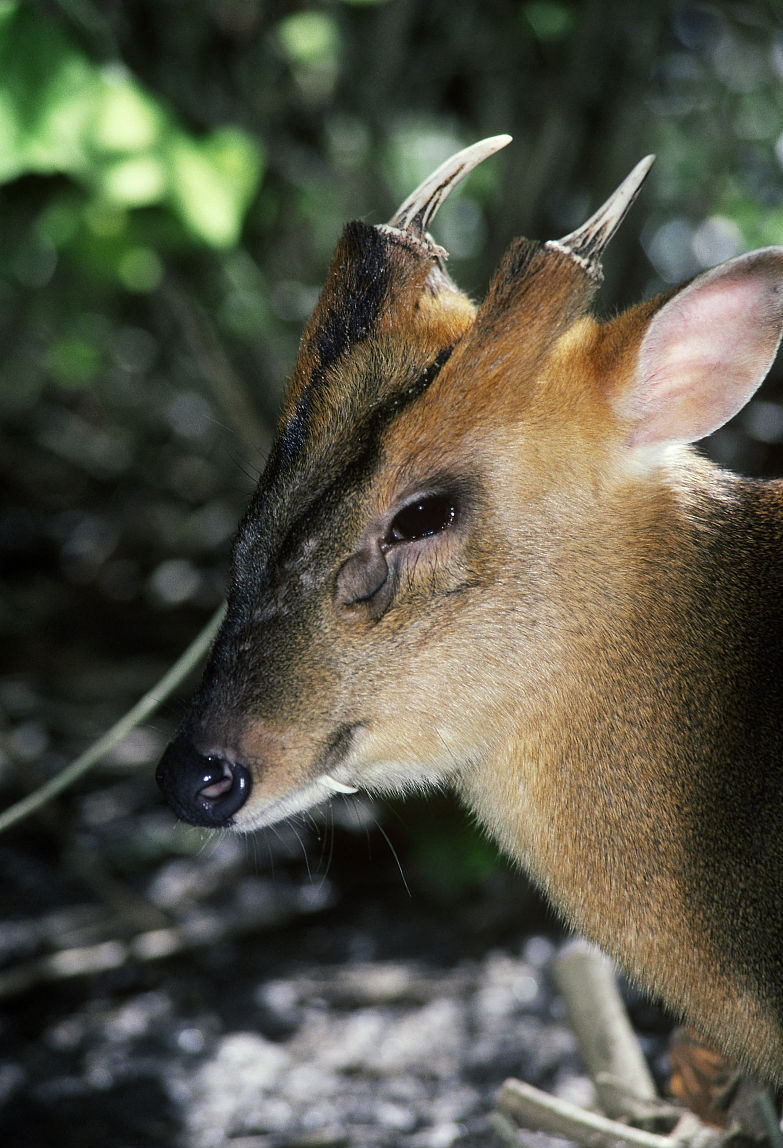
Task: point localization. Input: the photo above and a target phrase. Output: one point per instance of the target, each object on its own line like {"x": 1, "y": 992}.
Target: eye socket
{"x": 422, "y": 518}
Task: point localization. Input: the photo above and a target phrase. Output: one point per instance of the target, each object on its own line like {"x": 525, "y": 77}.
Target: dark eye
{"x": 422, "y": 518}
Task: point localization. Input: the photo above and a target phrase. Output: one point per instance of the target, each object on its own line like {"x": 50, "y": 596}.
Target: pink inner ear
{"x": 707, "y": 350}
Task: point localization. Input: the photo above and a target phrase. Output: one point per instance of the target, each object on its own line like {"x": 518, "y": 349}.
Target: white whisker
{"x": 394, "y": 854}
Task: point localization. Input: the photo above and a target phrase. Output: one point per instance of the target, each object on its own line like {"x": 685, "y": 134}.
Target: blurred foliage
{"x": 174, "y": 176}
{"x": 60, "y": 113}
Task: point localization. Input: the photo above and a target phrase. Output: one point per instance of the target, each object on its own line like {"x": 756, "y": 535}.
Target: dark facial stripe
{"x": 358, "y": 460}
{"x": 356, "y": 299}
{"x": 291, "y": 440}
{"x": 356, "y": 291}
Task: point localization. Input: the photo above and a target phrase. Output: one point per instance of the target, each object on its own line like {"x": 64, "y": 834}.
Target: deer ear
{"x": 706, "y": 350}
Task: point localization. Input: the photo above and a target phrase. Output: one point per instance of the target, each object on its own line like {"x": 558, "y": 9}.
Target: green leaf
{"x": 549, "y": 19}
{"x": 44, "y": 98}
{"x": 126, "y": 118}
{"x": 309, "y": 37}
{"x": 213, "y": 183}
{"x": 136, "y": 181}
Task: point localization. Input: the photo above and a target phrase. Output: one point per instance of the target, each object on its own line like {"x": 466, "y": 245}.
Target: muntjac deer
{"x": 483, "y": 555}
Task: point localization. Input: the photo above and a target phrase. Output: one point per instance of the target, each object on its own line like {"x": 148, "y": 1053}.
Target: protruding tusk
{"x": 336, "y": 786}
{"x": 416, "y": 213}
{"x": 587, "y": 244}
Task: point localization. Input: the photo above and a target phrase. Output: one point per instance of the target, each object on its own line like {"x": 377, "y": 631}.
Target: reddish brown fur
{"x": 589, "y": 650}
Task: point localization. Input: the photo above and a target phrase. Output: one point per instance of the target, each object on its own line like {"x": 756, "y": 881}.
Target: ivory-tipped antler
{"x": 587, "y": 244}
{"x": 418, "y": 210}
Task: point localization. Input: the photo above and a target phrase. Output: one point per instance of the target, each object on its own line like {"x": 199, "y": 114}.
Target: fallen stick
{"x": 521, "y": 1105}
{"x": 608, "y": 1045}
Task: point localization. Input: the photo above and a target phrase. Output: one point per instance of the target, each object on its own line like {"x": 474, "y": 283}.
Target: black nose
{"x": 204, "y": 789}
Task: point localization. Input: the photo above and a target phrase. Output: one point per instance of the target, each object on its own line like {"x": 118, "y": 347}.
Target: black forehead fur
{"x": 356, "y": 291}
{"x": 354, "y": 294}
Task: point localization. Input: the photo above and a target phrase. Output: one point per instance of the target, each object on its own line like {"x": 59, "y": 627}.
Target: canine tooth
{"x": 336, "y": 786}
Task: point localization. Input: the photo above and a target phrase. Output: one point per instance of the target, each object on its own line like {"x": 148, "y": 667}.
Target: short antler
{"x": 416, "y": 213}
{"x": 587, "y": 244}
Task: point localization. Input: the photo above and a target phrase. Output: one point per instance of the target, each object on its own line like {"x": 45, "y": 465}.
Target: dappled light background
{"x": 173, "y": 177}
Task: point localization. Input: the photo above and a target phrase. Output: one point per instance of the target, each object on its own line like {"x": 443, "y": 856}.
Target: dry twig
{"x": 522, "y": 1106}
